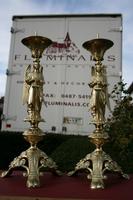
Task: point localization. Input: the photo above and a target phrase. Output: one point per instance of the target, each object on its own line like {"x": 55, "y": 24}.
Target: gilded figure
{"x": 33, "y": 90}
{"x": 99, "y": 95}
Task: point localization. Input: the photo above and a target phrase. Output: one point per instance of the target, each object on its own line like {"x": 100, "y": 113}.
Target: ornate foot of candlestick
{"x": 97, "y": 162}
{"x": 95, "y": 165}
{"x": 33, "y": 159}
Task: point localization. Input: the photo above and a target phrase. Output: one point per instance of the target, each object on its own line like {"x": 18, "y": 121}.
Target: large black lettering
{"x": 50, "y": 57}
{"x": 70, "y": 57}
{"x": 81, "y": 58}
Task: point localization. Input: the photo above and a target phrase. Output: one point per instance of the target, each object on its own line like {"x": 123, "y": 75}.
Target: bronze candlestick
{"x": 97, "y": 162}
{"x": 33, "y": 159}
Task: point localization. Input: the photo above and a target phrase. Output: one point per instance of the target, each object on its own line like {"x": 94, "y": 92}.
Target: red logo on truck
{"x": 65, "y": 48}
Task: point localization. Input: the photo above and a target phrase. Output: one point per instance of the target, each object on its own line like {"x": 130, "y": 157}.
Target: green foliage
{"x": 52, "y": 141}
{"x": 71, "y": 151}
{"x": 120, "y": 125}
{"x": 11, "y": 145}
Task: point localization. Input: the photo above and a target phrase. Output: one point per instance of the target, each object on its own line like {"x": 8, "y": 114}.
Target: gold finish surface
{"x": 98, "y": 162}
{"x": 33, "y": 159}
{"x": 97, "y": 47}
{"x": 36, "y": 44}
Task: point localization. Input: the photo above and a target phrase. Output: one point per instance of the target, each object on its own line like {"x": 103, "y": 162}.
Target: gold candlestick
{"x": 97, "y": 162}
{"x": 33, "y": 159}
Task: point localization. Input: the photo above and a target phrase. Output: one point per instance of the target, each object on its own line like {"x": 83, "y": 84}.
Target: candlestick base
{"x": 33, "y": 159}
{"x": 96, "y": 163}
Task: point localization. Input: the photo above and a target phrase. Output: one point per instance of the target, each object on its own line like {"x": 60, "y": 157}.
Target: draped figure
{"x": 99, "y": 95}
{"x": 33, "y": 90}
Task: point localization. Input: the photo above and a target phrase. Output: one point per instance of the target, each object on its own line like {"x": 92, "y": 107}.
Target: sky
{"x": 8, "y": 8}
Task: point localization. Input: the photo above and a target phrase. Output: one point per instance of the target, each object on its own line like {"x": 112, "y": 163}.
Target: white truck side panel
{"x": 67, "y": 69}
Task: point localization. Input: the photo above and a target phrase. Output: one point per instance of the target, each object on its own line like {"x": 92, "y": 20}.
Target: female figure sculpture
{"x": 33, "y": 91}
{"x": 99, "y": 95}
